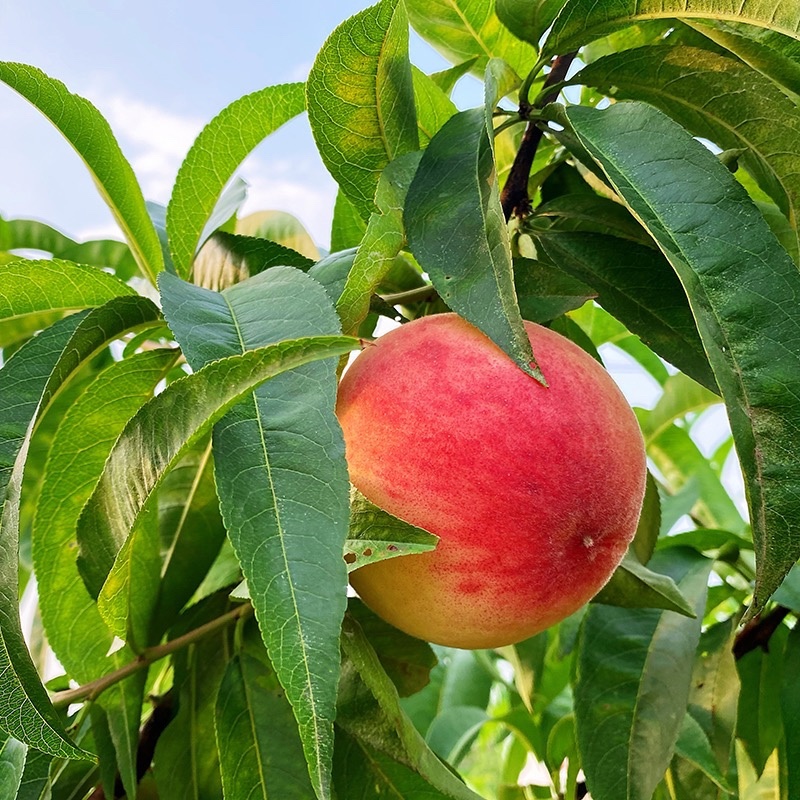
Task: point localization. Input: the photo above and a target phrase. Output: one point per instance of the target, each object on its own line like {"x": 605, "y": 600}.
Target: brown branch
{"x": 148, "y": 738}
{"x": 92, "y": 690}
{"x": 514, "y": 197}
{"x": 758, "y": 631}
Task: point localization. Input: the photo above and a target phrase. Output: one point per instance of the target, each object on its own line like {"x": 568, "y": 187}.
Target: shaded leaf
{"x": 632, "y": 685}
{"x": 544, "y": 292}
{"x": 528, "y": 20}
{"x": 457, "y": 232}
{"x": 12, "y": 765}
{"x": 639, "y": 287}
{"x": 282, "y": 482}
{"x": 742, "y": 287}
{"x": 790, "y": 707}
{"x": 259, "y": 748}
{"x": 347, "y": 228}
{"x": 693, "y": 745}
{"x": 717, "y": 97}
{"x": 332, "y": 272}
{"x": 635, "y": 586}
{"x": 361, "y": 100}
{"x": 88, "y": 132}
{"x": 216, "y": 153}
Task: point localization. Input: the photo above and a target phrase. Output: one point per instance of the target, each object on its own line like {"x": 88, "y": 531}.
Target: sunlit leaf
{"x": 216, "y": 153}
{"x": 88, "y": 132}
{"x": 361, "y": 100}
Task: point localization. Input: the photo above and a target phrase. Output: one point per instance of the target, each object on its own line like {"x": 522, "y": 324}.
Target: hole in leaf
{"x": 350, "y": 558}
{"x": 368, "y": 551}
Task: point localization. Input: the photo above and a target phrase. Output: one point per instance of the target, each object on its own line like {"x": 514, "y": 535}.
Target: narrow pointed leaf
{"x": 583, "y": 21}
{"x": 36, "y": 777}
{"x": 463, "y": 30}
{"x": 635, "y": 586}
{"x": 790, "y": 705}
{"x": 228, "y": 258}
{"x": 457, "y": 232}
{"x": 375, "y": 534}
{"x": 55, "y": 287}
{"x": 382, "y": 242}
{"x": 639, "y": 287}
{"x": 681, "y": 396}
{"x": 693, "y": 745}
{"x": 361, "y": 100}
{"x": 720, "y": 98}
{"x": 434, "y": 107}
{"x": 370, "y": 714}
{"x": 12, "y": 765}
{"x": 185, "y": 410}
{"x": 741, "y": 285}
{"x": 261, "y": 755}
{"x": 88, "y": 132}
{"x": 213, "y": 158}
{"x": 82, "y": 442}
{"x": 282, "y": 482}
{"x": 632, "y": 685}
{"x": 25, "y": 383}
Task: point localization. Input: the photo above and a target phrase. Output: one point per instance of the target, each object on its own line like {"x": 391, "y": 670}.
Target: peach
{"x": 534, "y": 491}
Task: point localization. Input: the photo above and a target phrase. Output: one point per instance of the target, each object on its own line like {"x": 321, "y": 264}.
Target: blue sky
{"x": 159, "y": 71}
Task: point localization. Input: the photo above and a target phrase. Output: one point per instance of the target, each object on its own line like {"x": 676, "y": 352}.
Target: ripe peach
{"x": 534, "y": 492}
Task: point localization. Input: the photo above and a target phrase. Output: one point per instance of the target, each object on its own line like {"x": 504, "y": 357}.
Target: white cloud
{"x": 156, "y": 141}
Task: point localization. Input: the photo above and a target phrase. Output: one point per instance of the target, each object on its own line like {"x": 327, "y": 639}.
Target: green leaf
{"x": 82, "y": 442}
{"x": 788, "y": 593}
{"x": 260, "y": 751}
{"x": 446, "y": 79}
{"x": 774, "y": 54}
{"x": 790, "y": 706}
{"x": 717, "y": 97}
{"x": 88, "y": 132}
{"x": 649, "y": 526}
{"x": 681, "y": 396}
{"x": 433, "y": 106}
{"x": 582, "y": 21}
{"x": 457, "y": 232}
{"x": 165, "y": 429}
{"x": 635, "y": 586}
{"x": 632, "y": 685}
{"x": 282, "y": 481}
{"x": 332, "y": 272}
{"x": 544, "y": 292}
{"x": 453, "y": 731}
{"x": 693, "y": 745}
{"x": 27, "y": 383}
{"x": 759, "y": 723}
{"x": 54, "y": 286}
{"x": 361, "y": 100}
{"x": 228, "y": 258}
{"x": 192, "y": 532}
{"x": 528, "y": 21}
{"x": 464, "y": 30}
{"x": 123, "y": 706}
{"x": 637, "y": 285}
{"x": 408, "y": 661}
{"x": 375, "y": 534}
{"x": 714, "y": 694}
{"x": 283, "y": 229}
{"x": 347, "y": 228}
{"x": 681, "y": 463}
{"x": 741, "y": 284}
{"x": 36, "y": 777}
{"x": 186, "y": 762}
{"x": 216, "y": 153}
{"x": 382, "y": 242}
{"x": 12, "y": 765}
{"x": 369, "y": 712}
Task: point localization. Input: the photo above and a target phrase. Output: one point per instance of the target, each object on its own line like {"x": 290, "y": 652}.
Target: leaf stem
{"x": 90, "y": 691}
{"x": 410, "y": 296}
{"x": 514, "y": 198}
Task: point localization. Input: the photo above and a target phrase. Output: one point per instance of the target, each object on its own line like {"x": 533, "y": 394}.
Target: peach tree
{"x": 177, "y": 518}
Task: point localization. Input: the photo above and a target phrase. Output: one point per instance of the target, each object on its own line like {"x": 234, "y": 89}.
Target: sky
{"x": 159, "y": 71}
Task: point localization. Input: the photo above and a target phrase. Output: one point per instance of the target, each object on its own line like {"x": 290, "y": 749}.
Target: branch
{"x": 514, "y": 197}
{"x": 90, "y": 691}
{"x": 758, "y": 631}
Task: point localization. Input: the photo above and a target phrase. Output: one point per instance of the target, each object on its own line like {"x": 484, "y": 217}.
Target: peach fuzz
{"x": 534, "y": 492}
